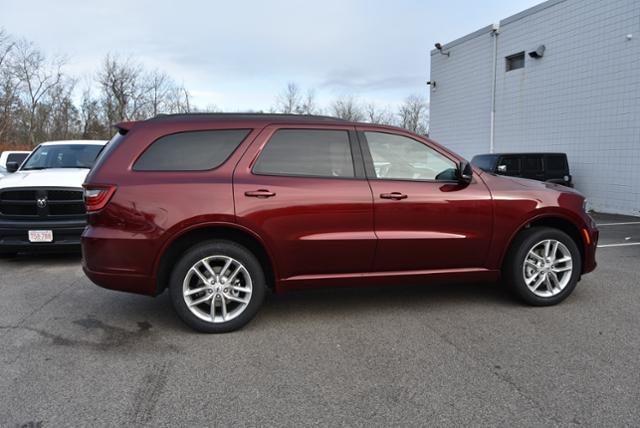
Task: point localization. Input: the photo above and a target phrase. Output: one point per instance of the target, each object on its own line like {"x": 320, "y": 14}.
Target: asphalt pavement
{"x": 74, "y": 354}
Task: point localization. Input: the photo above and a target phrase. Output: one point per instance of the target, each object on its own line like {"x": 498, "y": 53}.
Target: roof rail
{"x": 251, "y": 116}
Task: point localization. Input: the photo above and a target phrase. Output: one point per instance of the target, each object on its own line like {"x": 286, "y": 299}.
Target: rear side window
{"x": 307, "y": 152}
{"x": 532, "y": 164}
{"x": 556, "y": 163}
{"x": 191, "y": 151}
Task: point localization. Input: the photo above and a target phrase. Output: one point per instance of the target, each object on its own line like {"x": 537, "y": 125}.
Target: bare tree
{"x": 292, "y": 101}
{"x": 289, "y": 99}
{"x": 92, "y": 117}
{"x": 308, "y": 105}
{"x": 375, "y": 114}
{"x": 414, "y": 114}
{"x": 6, "y": 46}
{"x": 347, "y": 108}
{"x": 158, "y": 86}
{"x": 122, "y": 93}
{"x": 37, "y": 77}
{"x": 178, "y": 100}
{"x": 8, "y": 85}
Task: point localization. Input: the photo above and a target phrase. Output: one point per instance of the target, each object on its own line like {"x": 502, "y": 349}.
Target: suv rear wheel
{"x": 543, "y": 266}
{"x": 217, "y": 287}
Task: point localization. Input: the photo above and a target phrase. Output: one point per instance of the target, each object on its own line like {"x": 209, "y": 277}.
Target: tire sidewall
{"x": 525, "y": 243}
{"x": 213, "y": 248}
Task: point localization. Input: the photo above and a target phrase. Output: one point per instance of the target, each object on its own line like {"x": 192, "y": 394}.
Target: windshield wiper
{"x": 33, "y": 168}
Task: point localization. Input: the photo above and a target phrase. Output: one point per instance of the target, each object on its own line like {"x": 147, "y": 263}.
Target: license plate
{"x": 41, "y": 236}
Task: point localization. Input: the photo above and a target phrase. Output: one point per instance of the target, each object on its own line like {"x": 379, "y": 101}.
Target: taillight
{"x": 97, "y": 197}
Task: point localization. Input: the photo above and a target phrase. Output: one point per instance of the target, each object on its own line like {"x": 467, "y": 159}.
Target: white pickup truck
{"x": 41, "y": 200}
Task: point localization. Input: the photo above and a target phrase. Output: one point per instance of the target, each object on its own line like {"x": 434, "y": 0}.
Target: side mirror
{"x": 465, "y": 172}
{"x": 502, "y": 169}
{"x": 12, "y": 166}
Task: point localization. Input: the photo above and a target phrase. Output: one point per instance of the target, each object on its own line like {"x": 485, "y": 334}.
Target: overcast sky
{"x": 238, "y": 55}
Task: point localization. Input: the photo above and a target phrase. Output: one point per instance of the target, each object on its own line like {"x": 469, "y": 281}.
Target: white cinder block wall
{"x": 582, "y": 97}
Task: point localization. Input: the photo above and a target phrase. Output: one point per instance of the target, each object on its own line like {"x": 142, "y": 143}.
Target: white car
{"x": 41, "y": 201}
{"x": 11, "y": 156}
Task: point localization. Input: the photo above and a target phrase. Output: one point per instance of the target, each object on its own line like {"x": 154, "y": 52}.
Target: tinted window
{"x": 191, "y": 151}
{"x": 63, "y": 156}
{"x": 17, "y": 157}
{"x": 402, "y": 158}
{"x": 485, "y": 163}
{"x": 556, "y": 163}
{"x": 509, "y": 165}
{"x": 532, "y": 164}
{"x": 306, "y": 152}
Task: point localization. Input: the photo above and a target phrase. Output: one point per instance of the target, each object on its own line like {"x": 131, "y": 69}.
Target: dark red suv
{"x": 220, "y": 208}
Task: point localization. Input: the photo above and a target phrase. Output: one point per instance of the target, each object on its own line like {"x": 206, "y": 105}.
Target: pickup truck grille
{"x": 41, "y": 203}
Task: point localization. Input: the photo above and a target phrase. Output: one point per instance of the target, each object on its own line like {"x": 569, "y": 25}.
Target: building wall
{"x": 582, "y": 97}
{"x": 461, "y": 99}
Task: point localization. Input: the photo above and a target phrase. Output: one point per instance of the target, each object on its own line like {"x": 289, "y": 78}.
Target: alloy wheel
{"x": 217, "y": 289}
{"x": 547, "y": 268}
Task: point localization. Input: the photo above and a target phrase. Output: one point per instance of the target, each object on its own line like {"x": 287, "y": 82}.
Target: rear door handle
{"x": 260, "y": 193}
{"x": 393, "y": 195}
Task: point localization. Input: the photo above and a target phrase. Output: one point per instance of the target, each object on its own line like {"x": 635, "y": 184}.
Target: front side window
{"x": 62, "y": 156}
{"x": 191, "y": 151}
{"x": 400, "y": 158}
{"x": 306, "y": 152}
{"x": 509, "y": 165}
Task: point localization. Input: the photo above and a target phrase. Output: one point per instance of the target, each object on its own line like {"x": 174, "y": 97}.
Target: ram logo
{"x": 41, "y": 202}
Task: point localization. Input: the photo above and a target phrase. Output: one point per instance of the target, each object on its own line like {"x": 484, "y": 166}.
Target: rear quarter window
{"x": 191, "y": 151}
{"x": 556, "y": 163}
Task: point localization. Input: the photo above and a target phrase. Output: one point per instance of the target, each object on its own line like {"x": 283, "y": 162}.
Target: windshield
{"x": 63, "y": 156}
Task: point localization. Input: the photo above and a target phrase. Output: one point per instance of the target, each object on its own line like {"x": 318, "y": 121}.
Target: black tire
{"x": 513, "y": 267}
{"x": 8, "y": 255}
{"x": 217, "y": 248}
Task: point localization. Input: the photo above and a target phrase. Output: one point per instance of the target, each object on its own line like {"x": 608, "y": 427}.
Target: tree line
{"x": 411, "y": 114}
{"x": 40, "y": 101}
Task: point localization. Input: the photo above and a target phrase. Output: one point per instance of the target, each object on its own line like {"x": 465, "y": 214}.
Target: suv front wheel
{"x": 543, "y": 266}
{"x": 217, "y": 287}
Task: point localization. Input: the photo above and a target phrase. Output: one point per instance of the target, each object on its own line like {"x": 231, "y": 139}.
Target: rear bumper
{"x": 119, "y": 260}
{"x": 127, "y": 282}
{"x": 14, "y": 235}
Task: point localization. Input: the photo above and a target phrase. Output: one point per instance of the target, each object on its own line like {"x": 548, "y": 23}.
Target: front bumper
{"x": 14, "y": 235}
{"x": 590, "y": 236}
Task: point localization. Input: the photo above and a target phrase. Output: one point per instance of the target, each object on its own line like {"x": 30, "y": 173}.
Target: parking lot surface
{"x": 75, "y": 354}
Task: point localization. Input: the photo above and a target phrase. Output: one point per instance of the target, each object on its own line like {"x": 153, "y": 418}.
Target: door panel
{"x": 437, "y": 225}
{"x": 312, "y": 225}
{"x": 429, "y": 224}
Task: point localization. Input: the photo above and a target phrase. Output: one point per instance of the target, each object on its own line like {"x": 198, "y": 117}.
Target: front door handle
{"x": 261, "y": 193}
{"x": 393, "y": 195}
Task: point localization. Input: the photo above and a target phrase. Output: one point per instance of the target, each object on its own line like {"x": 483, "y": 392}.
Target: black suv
{"x": 551, "y": 167}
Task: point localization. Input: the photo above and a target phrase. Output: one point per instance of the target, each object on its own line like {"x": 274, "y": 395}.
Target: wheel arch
{"x": 555, "y": 221}
{"x": 205, "y": 232}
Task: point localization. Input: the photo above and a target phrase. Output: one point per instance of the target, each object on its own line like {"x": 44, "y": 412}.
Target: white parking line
{"x": 618, "y": 224}
{"x": 626, "y": 244}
